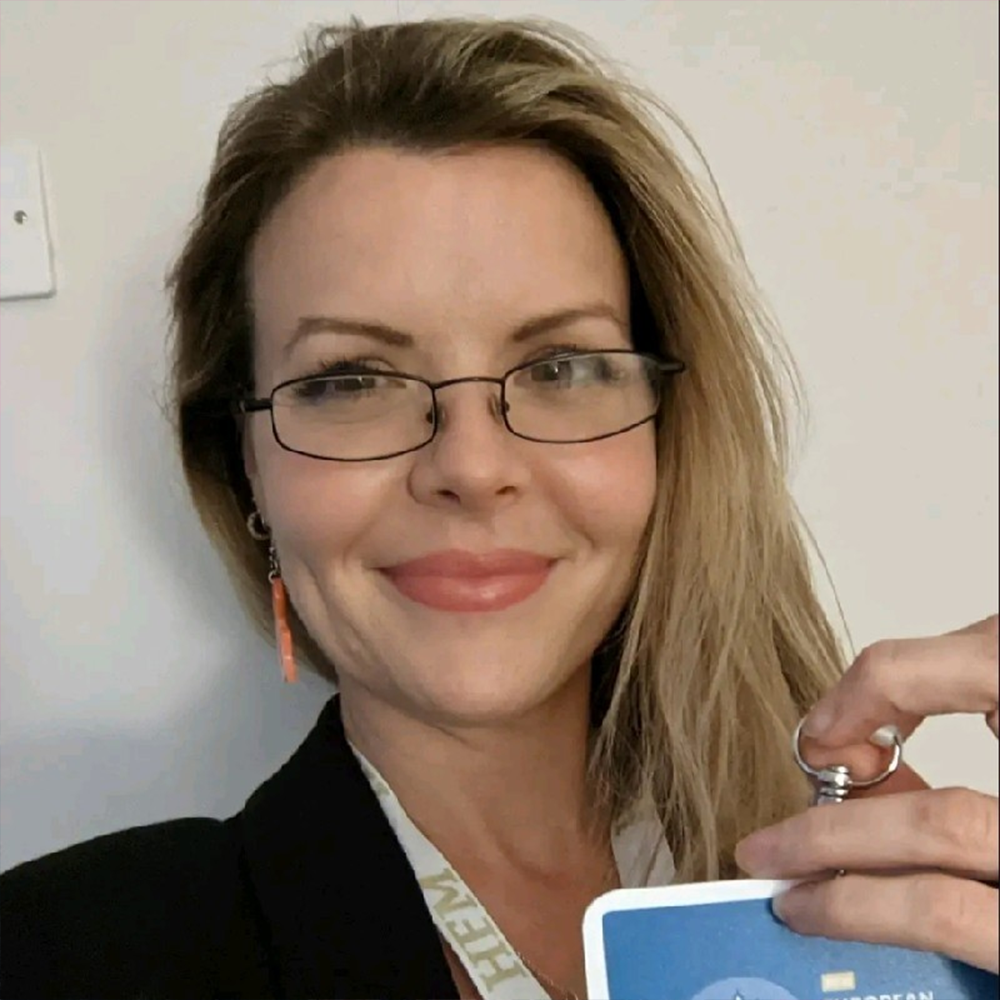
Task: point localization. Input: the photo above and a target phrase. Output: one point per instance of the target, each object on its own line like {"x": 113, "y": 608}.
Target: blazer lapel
{"x": 340, "y": 904}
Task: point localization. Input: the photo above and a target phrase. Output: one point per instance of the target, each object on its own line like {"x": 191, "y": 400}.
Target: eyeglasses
{"x": 367, "y": 413}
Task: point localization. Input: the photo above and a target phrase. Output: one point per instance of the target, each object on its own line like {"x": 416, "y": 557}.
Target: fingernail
{"x": 779, "y": 907}
{"x": 818, "y": 721}
{"x": 885, "y": 736}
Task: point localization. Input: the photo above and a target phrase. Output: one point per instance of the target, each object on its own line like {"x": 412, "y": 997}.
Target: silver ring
{"x": 891, "y": 767}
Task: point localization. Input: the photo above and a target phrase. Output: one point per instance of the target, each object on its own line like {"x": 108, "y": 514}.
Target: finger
{"x": 990, "y": 627}
{"x": 952, "y": 829}
{"x": 865, "y": 762}
{"x": 904, "y": 779}
{"x": 901, "y": 682}
{"x": 930, "y": 912}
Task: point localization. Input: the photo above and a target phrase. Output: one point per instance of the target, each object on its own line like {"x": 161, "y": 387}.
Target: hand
{"x": 918, "y": 861}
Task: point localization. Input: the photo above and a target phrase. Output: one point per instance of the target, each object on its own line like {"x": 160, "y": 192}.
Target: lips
{"x": 456, "y": 580}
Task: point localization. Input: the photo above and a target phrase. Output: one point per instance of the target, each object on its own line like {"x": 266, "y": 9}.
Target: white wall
{"x": 856, "y": 144}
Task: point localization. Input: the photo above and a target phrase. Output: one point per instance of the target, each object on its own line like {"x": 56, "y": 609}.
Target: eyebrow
{"x": 308, "y": 326}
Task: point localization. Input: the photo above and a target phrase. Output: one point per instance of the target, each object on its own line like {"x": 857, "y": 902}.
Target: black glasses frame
{"x": 251, "y": 404}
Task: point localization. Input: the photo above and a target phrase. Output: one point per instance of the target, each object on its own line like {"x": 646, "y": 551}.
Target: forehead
{"x": 431, "y": 240}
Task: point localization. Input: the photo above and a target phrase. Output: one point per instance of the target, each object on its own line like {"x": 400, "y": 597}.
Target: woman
{"x": 474, "y": 396}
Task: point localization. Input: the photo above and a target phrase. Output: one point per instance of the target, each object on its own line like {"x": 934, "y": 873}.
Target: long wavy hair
{"x": 723, "y": 643}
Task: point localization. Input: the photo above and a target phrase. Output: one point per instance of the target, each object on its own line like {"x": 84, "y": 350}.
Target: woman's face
{"x": 458, "y": 251}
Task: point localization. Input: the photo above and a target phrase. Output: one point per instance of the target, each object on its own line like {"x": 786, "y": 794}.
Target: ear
{"x": 250, "y": 468}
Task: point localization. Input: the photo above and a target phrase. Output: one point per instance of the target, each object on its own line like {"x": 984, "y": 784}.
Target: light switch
{"x": 25, "y": 249}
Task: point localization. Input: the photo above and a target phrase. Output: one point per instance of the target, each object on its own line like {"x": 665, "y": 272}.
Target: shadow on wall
{"x": 75, "y": 785}
{"x": 208, "y": 756}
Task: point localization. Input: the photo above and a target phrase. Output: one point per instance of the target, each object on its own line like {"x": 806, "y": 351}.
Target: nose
{"x": 474, "y": 462}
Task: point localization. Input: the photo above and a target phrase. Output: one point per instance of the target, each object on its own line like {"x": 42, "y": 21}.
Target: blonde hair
{"x": 723, "y": 644}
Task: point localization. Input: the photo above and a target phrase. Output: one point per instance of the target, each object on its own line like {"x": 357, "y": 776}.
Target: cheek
{"x": 317, "y": 510}
{"x": 608, "y": 491}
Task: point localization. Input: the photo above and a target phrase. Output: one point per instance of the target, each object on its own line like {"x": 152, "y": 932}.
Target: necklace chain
{"x": 562, "y": 991}
{"x": 610, "y": 878}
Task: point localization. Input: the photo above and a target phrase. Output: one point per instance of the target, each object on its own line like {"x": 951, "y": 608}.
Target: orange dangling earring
{"x": 279, "y": 601}
{"x": 282, "y": 631}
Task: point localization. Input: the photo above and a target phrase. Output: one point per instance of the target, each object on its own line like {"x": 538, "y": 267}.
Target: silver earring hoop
{"x": 257, "y": 527}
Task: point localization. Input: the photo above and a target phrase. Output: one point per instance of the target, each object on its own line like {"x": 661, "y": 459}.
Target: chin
{"x": 485, "y": 692}
{"x": 479, "y": 667}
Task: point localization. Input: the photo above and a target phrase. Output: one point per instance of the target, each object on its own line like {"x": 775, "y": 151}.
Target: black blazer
{"x": 306, "y": 893}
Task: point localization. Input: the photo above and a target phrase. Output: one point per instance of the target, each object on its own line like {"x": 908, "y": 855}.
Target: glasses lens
{"x": 577, "y": 397}
{"x": 360, "y": 416}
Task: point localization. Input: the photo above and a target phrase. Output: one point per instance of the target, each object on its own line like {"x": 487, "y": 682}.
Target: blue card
{"x": 720, "y": 941}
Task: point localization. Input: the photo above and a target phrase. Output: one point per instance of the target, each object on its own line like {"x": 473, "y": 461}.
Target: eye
{"x": 339, "y": 379}
{"x": 574, "y": 369}
{"x": 322, "y": 388}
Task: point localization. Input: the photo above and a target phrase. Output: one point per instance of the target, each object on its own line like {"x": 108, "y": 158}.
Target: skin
{"x": 458, "y": 250}
{"x": 919, "y": 861}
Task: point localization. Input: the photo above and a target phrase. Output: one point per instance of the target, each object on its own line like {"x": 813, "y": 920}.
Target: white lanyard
{"x": 493, "y": 965}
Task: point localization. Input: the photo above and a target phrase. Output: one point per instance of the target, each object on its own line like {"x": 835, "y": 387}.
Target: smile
{"x": 461, "y": 581}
